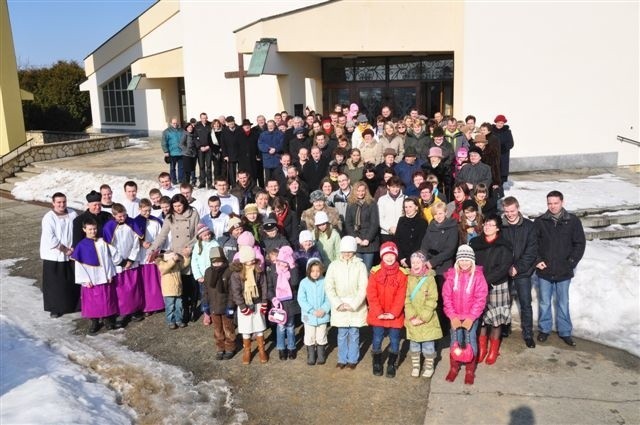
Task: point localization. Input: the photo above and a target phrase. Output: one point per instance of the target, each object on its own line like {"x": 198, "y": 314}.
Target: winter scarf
{"x": 389, "y": 272}
{"x": 216, "y": 276}
{"x": 284, "y": 264}
{"x": 280, "y": 218}
{"x": 250, "y": 288}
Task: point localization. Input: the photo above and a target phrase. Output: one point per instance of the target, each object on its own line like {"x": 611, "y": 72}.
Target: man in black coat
{"x": 94, "y": 211}
{"x": 231, "y": 139}
{"x": 520, "y": 233}
{"x": 248, "y": 149}
{"x": 561, "y": 245}
{"x": 315, "y": 169}
{"x": 202, "y": 131}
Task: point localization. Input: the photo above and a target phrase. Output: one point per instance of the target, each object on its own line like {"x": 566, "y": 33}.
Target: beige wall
{"x": 12, "y": 132}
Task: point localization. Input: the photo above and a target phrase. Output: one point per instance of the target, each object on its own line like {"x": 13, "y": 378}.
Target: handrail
{"x": 627, "y": 140}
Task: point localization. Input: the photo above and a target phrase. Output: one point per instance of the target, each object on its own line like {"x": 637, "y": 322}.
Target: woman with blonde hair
{"x": 362, "y": 221}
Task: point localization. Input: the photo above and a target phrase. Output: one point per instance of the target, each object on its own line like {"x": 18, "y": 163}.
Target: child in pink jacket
{"x": 464, "y": 296}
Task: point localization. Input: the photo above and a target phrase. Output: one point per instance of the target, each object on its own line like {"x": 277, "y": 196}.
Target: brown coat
{"x": 237, "y": 286}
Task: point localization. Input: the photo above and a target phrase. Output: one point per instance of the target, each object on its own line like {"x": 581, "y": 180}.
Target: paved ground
{"x": 588, "y": 384}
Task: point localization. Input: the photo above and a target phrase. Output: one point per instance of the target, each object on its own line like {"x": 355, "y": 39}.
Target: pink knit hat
{"x": 388, "y": 248}
{"x": 202, "y": 228}
{"x": 285, "y": 254}
{"x": 246, "y": 239}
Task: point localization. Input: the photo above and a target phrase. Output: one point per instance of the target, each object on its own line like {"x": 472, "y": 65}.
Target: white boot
{"x": 429, "y": 366}
{"x": 415, "y": 362}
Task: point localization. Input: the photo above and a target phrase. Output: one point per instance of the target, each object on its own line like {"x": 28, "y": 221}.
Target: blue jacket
{"x": 405, "y": 171}
{"x": 267, "y": 140}
{"x": 311, "y": 296}
{"x": 171, "y": 141}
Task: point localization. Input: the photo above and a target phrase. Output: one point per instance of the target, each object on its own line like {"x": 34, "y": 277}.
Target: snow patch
{"x": 79, "y": 379}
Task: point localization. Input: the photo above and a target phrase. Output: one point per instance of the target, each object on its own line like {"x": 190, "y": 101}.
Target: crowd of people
{"x": 331, "y": 222}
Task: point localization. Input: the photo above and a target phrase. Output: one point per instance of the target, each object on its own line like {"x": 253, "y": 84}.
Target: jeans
{"x": 367, "y": 258}
{"x": 204, "y": 166}
{"x": 286, "y": 331}
{"x": 348, "y": 345}
{"x": 378, "y": 336}
{"x": 458, "y": 335}
{"x": 176, "y": 176}
{"x": 523, "y": 289}
{"x": 173, "y": 309}
{"x": 426, "y": 347}
{"x": 546, "y": 289}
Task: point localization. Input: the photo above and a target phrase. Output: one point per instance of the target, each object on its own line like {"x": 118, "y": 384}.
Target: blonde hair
{"x": 457, "y": 269}
{"x": 353, "y": 199}
{"x": 437, "y": 207}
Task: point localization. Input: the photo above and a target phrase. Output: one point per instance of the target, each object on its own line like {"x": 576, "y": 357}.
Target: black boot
{"x": 282, "y": 354}
{"x": 292, "y": 354}
{"x": 311, "y": 355}
{"x": 322, "y": 357}
{"x": 377, "y": 364}
{"x": 391, "y": 365}
{"x": 94, "y": 327}
{"x": 110, "y": 323}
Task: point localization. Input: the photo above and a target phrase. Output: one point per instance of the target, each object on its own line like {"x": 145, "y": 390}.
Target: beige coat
{"x": 170, "y": 279}
{"x": 346, "y": 282}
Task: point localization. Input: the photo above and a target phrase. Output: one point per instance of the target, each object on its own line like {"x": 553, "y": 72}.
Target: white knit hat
{"x": 321, "y": 217}
{"x": 465, "y": 252}
{"x": 304, "y": 236}
{"x": 246, "y": 254}
{"x": 348, "y": 244}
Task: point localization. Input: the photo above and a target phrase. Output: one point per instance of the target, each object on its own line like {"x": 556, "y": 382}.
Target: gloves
{"x": 455, "y": 323}
{"x": 230, "y": 311}
{"x": 263, "y": 308}
{"x": 246, "y": 311}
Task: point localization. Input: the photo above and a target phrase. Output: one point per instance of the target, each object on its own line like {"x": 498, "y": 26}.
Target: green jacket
{"x": 423, "y": 307}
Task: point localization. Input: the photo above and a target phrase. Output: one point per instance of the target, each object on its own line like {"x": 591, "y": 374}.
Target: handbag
{"x": 462, "y": 352}
{"x": 167, "y": 160}
{"x": 277, "y": 314}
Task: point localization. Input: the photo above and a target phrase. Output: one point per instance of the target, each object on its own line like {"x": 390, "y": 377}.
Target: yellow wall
{"x": 12, "y": 132}
{"x": 374, "y": 28}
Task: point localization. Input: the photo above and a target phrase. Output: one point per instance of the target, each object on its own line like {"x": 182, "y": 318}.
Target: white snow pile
{"x": 49, "y": 375}
{"x": 601, "y": 191}
{"x": 138, "y": 144}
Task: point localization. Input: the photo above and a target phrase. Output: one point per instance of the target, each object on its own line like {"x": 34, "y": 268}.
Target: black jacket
{"x": 561, "y": 245}
{"x": 440, "y": 243}
{"x": 230, "y": 142}
{"x": 522, "y": 237}
{"x": 202, "y": 134}
{"x": 313, "y": 173}
{"x": 506, "y": 144}
{"x": 369, "y": 226}
{"x": 247, "y": 151}
{"x": 495, "y": 258}
{"x": 78, "y": 233}
{"x": 409, "y": 235}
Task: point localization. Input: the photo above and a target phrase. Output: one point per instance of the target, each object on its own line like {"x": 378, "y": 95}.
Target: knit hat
{"x": 304, "y": 236}
{"x": 480, "y": 138}
{"x": 246, "y": 254}
{"x": 246, "y": 239}
{"x": 465, "y": 252}
{"x": 311, "y": 261}
{"x": 388, "y": 248}
{"x": 462, "y": 153}
{"x": 250, "y": 208}
{"x": 285, "y": 254}
{"x": 500, "y": 118}
{"x": 317, "y": 195}
{"x": 216, "y": 253}
{"x": 469, "y": 203}
{"x": 420, "y": 255}
{"x": 94, "y": 196}
{"x": 435, "y": 151}
{"x": 234, "y": 223}
{"x": 348, "y": 244}
{"x": 389, "y": 151}
{"x": 362, "y": 118}
{"x": 320, "y": 218}
{"x": 202, "y": 229}
{"x": 475, "y": 149}
{"x": 269, "y": 224}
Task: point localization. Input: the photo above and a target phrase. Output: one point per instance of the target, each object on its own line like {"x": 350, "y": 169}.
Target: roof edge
{"x": 290, "y": 12}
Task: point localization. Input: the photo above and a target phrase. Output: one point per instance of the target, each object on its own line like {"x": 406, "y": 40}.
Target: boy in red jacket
{"x": 386, "y": 294}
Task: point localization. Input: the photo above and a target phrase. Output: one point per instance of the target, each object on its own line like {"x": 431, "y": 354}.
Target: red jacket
{"x": 386, "y": 294}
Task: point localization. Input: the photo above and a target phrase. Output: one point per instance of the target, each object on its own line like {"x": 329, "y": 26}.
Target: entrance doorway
{"x": 401, "y": 82}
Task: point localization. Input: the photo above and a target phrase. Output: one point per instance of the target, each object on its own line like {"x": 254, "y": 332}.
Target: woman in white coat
{"x": 346, "y": 287}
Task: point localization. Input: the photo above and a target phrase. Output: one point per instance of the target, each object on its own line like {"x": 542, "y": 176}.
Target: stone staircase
{"x": 25, "y": 174}
{"x": 611, "y": 223}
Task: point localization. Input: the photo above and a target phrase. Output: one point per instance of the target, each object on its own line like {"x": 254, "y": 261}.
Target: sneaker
{"x": 568, "y": 340}
{"x": 542, "y": 337}
{"x": 530, "y": 342}
{"x": 182, "y": 325}
{"x": 173, "y": 326}
{"x": 219, "y": 355}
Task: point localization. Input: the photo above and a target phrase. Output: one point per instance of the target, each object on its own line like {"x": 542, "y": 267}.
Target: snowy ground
{"x": 48, "y": 375}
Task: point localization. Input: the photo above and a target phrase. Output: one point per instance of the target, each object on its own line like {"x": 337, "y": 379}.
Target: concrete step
{"x": 603, "y": 210}
{"x": 6, "y": 187}
{"x": 627, "y": 232}
{"x": 607, "y": 220}
{"x": 33, "y": 170}
{"x": 15, "y": 179}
